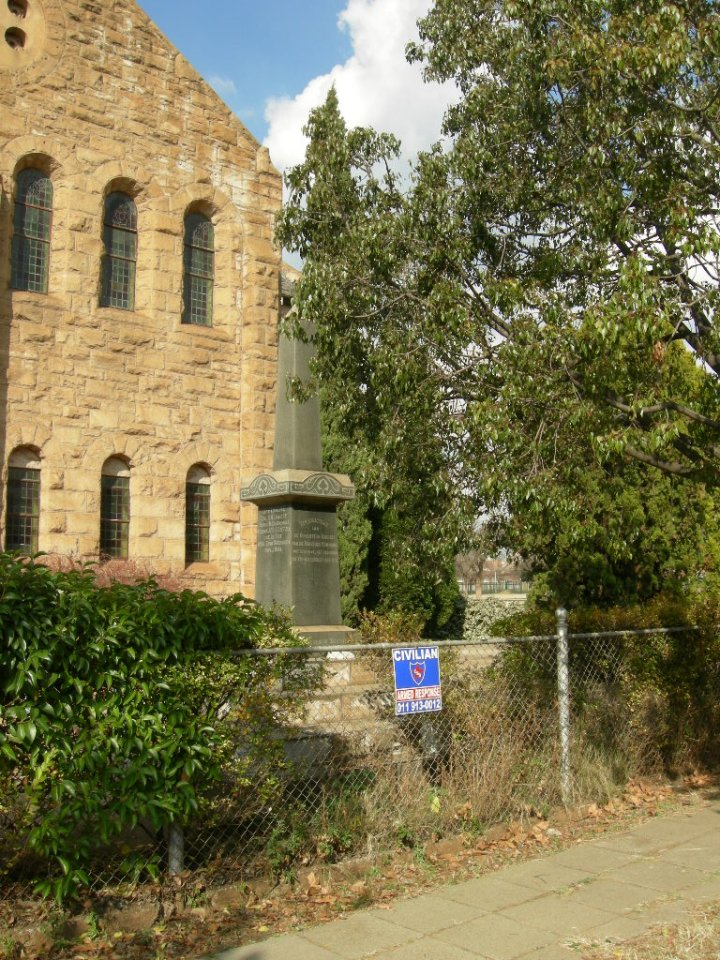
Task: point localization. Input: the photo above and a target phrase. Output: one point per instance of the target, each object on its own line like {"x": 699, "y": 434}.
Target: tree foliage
{"x": 537, "y": 301}
{"x": 583, "y": 186}
{"x": 384, "y": 564}
{"x": 612, "y": 535}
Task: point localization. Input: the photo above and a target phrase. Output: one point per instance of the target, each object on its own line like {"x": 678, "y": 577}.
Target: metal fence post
{"x": 563, "y": 686}
{"x": 176, "y": 850}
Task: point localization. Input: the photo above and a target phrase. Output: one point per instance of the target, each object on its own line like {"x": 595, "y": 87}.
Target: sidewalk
{"x": 611, "y": 888}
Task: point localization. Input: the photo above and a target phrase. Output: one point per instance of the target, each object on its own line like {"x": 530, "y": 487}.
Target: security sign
{"x": 417, "y": 680}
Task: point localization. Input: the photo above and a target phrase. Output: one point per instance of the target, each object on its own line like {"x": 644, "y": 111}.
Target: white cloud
{"x": 222, "y": 85}
{"x": 376, "y": 86}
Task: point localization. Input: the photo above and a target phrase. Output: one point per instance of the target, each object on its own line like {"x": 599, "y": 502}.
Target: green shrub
{"x": 474, "y": 617}
{"x": 111, "y": 704}
{"x": 669, "y": 683}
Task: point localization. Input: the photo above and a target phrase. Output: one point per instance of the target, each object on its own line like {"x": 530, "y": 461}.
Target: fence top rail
{"x": 367, "y": 647}
{"x": 635, "y": 633}
{"x": 484, "y": 642}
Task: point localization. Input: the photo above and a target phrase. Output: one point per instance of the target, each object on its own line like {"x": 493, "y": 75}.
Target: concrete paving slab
{"x": 658, "y": 875}
{"x": 545, "y": 875}
{"x": 357, "y": 936}
{"x": 643, "y": 845}
{"x": 610, "y": 889}
{"x": 593, "y": 857}
{"x": 559, "y": 915}
{"x": 496, "y": 938}
{"x": 613, "y": 896}
{"x": 490, "y": 892}
{"x": 427, "y": 949}
{"x": 277, "y": 948}
{"x": 673, "y": 830}
{"x": 664, "y": 911}
{"x": 615, "y": 931}
{"x": 555, "y": 951}
{"x": 707, "y": 816}
{"x": 429, "y": 914}
{"x": 705, "y": 890}
{"x": 700, "y": 854}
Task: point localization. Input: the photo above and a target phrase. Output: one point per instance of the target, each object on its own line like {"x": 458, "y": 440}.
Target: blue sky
{"x": 273, "y": 61}
{"x": 255, "y": 50}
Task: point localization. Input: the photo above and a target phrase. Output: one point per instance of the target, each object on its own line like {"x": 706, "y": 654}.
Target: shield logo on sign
{"x": 417, "y": 672}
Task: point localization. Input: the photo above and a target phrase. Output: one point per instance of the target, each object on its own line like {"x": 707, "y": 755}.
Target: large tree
{"x": 539, "y": 297}
{"x": 390, "y": 558}
{"x": 583, "y": 177}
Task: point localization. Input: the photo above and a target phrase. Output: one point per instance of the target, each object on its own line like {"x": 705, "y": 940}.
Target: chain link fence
{"x": 526, "y": 724}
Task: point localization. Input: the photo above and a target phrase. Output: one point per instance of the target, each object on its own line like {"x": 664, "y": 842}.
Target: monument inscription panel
{"x": 315, "y": 540}
{"x": 298, "y": 560}
{"x": 273, "y": 530}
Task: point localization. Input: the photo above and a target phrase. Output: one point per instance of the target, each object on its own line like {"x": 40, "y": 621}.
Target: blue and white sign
{"x": 417, "y": 680}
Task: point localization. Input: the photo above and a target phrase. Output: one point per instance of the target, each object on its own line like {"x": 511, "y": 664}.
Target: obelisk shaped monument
{"x": 297, "y": 544}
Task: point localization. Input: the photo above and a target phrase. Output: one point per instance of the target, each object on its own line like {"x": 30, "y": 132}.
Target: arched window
{"x": 31, "y": 237}
{"x": 23, "y": 501}
{"x": 114, "y": 508}
{"x": 197, "y": 515}
{"x": 120, "y": 238}
{"x": 199, "y": 269}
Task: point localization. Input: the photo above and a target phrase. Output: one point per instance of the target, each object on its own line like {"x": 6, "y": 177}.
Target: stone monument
{"x": 297, "y": 544}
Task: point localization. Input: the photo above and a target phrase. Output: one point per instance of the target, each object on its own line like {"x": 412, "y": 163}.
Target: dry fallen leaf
{"x": 698, "y": 780}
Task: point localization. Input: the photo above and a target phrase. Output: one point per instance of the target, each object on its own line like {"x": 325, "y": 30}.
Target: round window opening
{"x": 15, "y": 38}
{"x": 18, "y": 7}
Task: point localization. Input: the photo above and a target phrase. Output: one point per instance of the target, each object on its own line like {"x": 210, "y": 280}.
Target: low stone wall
{"x": 354, "y": 698}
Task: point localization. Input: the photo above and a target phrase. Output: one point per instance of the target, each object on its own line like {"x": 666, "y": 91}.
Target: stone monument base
{"x": 320, "y": 635}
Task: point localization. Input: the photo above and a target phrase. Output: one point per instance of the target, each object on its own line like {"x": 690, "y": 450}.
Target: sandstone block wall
{"x": 98, "y": 98}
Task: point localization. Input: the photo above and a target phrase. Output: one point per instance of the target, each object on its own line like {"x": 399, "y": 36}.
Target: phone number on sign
{"x": 418, "y": 706}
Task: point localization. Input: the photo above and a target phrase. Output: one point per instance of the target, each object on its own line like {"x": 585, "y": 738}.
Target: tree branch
{"x": 667, "y": 466}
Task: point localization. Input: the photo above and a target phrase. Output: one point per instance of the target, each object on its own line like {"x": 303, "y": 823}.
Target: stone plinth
{"x": 297, "y": 558}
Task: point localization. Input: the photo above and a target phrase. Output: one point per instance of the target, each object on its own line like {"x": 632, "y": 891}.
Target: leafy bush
{"x": 669, "y": 683}
{"x": 111, "y": 705}
{"x": 474, "y": 617}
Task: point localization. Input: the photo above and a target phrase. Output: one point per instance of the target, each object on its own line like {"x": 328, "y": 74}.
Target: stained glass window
{"x": 199, "y": 269}
{"x": 115, "y": 509}
{"x": 23, "y": 509}
{"x": 31, "y": 237}
{"x": 120, "y": 238}
{"x": 197, "y": 516}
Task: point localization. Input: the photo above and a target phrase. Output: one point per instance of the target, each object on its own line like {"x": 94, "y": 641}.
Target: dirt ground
{"x": 186, "y": 919}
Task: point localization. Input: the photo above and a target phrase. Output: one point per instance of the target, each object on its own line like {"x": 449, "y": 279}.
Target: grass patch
{"x": 698, "y": 939}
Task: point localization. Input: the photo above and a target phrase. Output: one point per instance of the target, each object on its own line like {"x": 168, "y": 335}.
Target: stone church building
{"x": 139, "y": 289}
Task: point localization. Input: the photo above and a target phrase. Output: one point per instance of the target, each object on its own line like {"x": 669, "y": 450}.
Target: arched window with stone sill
{"x": 198, "y": 270}
{"x": 32, "y": 226}
{"x": 120, "y": 237}
{"x": 23, "y": 501}
{"x": 197, "y": 515}
{"x": 115, "y": 509}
